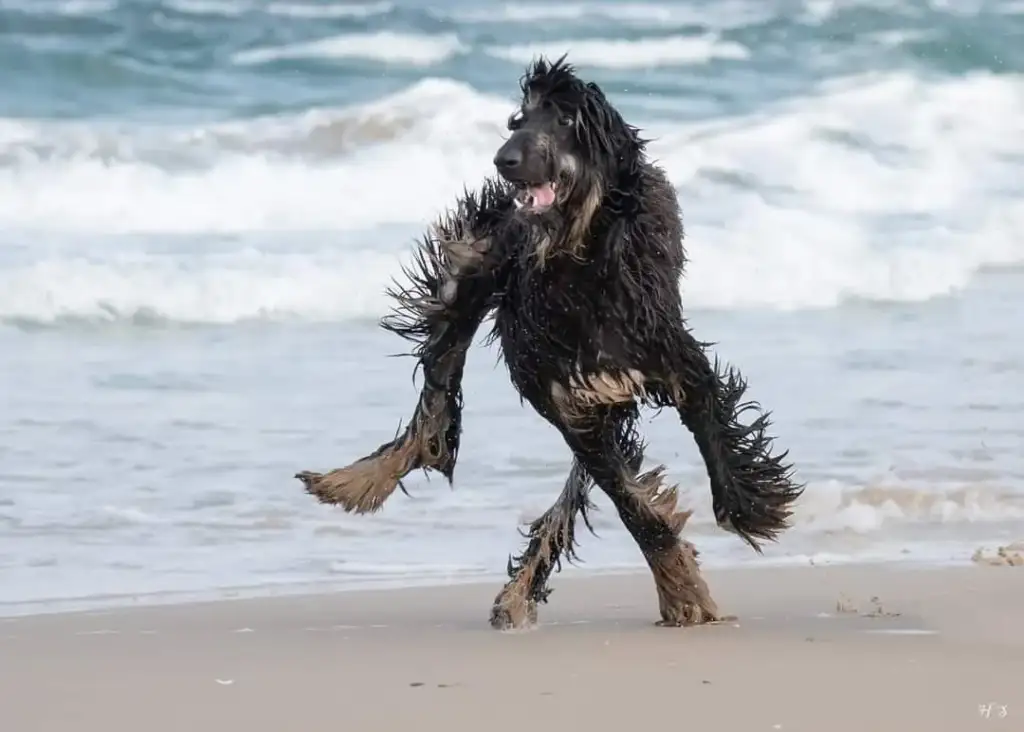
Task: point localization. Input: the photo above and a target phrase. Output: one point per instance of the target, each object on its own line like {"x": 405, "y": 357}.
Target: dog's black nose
{"x": 508, "y": 159}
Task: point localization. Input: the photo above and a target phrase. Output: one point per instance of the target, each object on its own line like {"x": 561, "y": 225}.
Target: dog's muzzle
{"x": 521, "y": 162}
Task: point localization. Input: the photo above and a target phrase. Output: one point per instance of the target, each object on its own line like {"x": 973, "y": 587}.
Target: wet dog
{"x": 576, "y": 250}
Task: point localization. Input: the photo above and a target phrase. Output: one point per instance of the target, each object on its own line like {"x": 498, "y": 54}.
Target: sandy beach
{"x": 870, "y": 648}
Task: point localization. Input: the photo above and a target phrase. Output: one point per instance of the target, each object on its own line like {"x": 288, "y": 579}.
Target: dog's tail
{"x": 752, "y": 489}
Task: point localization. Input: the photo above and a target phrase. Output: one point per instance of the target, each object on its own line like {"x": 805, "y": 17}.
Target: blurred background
{"x": 202, "y": 201}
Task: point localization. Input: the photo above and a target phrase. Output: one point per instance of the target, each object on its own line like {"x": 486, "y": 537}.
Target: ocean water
{"x": 202, "y": 201}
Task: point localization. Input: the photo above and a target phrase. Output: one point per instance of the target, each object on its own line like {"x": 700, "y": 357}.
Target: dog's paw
{"x": 515, "y": 615}
{"x": 362, "y": 487}
{"x": 309, "y": 478}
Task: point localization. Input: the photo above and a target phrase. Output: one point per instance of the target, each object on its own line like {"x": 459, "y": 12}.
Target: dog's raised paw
{"x": 308, "y": 477}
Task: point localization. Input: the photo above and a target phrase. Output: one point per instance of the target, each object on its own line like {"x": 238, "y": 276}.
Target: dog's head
{"x": 568, "y": 142}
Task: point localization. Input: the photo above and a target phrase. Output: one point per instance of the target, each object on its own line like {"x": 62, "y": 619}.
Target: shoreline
{"x": 842, "y": 649}
{"x": 174, "y": 598}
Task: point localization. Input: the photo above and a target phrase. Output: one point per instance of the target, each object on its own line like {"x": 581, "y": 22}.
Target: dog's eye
{"x": 566, "y": 121}
{"x": 515, "y": 121}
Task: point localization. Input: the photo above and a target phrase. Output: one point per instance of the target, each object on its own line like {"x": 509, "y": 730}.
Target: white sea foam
{"x": 203, "y": 289}
{"x": 884, "y": 187}
{"x": 622, "y": 54}
{"x": 722, "y": 14}
{"x": 206, "y": 290}
{"x": 383, "y": 46}
{"x": 70, "y": 8}
{"x": 232, "y": 8}
{"x": 881, "y": 187}
{"x": 328, "y": 10}
{"x": 407, "y": 155}
{"x": 832, "y": 507}
{"x": 208, "y": 7}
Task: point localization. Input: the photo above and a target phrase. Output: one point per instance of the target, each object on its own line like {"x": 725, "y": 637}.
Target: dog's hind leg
{"x": 455, "y": 274}
{"x": 551, "y": 538}
{"x": 600, "y": 438}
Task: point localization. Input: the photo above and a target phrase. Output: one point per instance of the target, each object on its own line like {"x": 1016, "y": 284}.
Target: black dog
{"x": 577, "y": 251}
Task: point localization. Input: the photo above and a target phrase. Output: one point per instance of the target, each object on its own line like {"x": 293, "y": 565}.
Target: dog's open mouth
{"x": 537, "y": 198}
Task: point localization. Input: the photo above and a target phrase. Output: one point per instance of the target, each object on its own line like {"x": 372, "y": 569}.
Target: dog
{"x": 575, "y": 250}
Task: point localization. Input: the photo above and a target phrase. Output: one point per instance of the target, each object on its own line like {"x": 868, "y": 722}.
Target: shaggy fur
{"x": 576, "y": 249}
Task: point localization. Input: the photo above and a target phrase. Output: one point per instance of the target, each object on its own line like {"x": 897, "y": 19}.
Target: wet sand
{"x": 820, "y": 649}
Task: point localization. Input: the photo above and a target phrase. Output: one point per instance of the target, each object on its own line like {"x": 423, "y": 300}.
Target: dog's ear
{"x": 604, "y": 130}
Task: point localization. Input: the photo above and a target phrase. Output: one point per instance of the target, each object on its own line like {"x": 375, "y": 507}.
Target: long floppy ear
{"x": 603, "y": 130}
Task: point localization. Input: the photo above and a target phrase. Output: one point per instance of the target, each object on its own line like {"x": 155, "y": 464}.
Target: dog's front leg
{"x": 752, "y": 488}
{"x": 429, "y": 441}
{"x": 451, "y": 284}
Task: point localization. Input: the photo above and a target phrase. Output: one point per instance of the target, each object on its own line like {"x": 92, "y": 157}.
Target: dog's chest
{"x": 549, "y": 320}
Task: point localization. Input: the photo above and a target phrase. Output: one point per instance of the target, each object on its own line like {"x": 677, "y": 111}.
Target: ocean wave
{"x": 328, "y": 10}
{"x": 826, "y": 508}
{"x": 833, "y": 508}
{"x": 419, "y": 50}
{"x": 720, "y": 15}
{"x": 201, "y": 289}
{"x": 383, "y": 46}
{"x": 326, "y": 169}
{"x": 229, "y": 8}
{"x": 426, "y": 112}
{"x": 884, "y": 187}
{"x": 830, "y": 507}
{"x": 613, "y": 53}
{"x": 68, "y": 8}
{"x": 233, "y": 8}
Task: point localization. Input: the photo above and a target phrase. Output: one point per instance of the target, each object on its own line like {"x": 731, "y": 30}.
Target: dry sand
{"x": 939, "y": 649}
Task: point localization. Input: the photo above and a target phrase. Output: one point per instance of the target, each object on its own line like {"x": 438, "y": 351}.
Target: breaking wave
{"x": 882, "y": 187}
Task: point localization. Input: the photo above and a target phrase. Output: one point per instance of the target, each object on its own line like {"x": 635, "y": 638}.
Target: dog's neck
{"x": 565, "y": 231}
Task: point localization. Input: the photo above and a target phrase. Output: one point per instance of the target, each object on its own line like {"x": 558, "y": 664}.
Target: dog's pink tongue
{"x": 543, "y": 196}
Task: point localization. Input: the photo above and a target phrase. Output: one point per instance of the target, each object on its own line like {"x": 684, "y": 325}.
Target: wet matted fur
{"x": 576, "y": 250}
